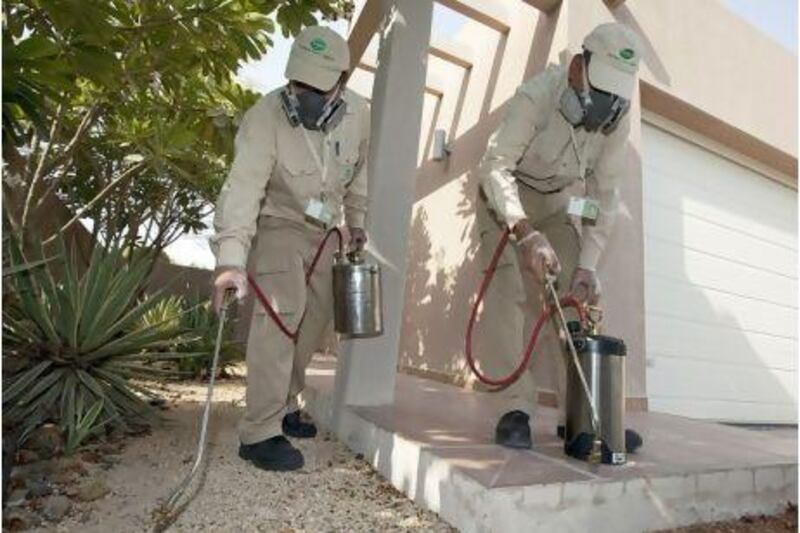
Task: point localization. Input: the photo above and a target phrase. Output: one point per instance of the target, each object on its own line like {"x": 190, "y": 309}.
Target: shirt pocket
{"x": 298, "y": 163}
{"x": 299, "y": 176}
{"x": 345, "y": 158}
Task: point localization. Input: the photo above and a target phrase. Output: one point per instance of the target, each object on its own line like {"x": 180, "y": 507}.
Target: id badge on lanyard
{"x": 583, "y": 207}
{"x": 317, "y": 209}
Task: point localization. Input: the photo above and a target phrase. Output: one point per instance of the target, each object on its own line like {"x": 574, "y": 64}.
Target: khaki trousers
{"x": 514, "y": 301}
{"x": 275, "y": 364}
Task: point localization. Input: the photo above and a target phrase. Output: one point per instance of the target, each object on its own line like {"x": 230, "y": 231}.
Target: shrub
{"x": 199, "y": 322}
{"x": 75, "y": 348}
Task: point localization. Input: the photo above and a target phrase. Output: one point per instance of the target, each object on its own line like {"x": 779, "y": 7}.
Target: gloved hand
{"x": 358, "y": 239}
{"x": 226, "y": 279}
{"x": 585, "y": 286}
{"x": 538, "y": 256}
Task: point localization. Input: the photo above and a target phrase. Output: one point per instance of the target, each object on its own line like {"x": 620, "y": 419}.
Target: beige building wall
{"x": 727, "y": 77}
{"x": 706, "y": 55}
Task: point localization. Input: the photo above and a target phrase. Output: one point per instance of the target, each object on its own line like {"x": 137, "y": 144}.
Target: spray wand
{"x": 169, "y": 511}
{"x": 550, "y": 310}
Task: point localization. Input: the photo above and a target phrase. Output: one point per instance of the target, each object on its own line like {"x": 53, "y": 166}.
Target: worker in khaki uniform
{"x": 551, "y": 174}
{"x": 300, "y": 165}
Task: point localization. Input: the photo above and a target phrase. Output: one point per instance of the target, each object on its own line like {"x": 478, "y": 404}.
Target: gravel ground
{"x": 335, "y": 491}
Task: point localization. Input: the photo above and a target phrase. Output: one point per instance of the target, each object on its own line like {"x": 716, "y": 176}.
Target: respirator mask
{"x": 592, "y": 108}
{"x": 313, "y": 109}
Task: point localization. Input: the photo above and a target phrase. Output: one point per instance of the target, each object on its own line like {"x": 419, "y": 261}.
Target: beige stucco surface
{"x": 694, "y": 50}
{"x": 706, "y": 55}
{"x": 443, "y": 274}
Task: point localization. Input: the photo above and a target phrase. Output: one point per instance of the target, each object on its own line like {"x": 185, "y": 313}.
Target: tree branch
{"x": 102, "y": 194}
{"x": 172, "y": 20}
{"x": 86, "y": 122}
{"x": 37, "y": 175}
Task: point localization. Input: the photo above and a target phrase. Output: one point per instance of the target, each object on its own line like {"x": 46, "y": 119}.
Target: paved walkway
{"x": 436, "y": 445}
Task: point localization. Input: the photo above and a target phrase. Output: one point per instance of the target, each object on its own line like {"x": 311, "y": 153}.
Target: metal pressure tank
{"x": 357, "y": 303}
{"x": 602, "y": 359}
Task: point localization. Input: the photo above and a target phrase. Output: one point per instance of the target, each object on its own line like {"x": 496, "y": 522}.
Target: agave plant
{"x": 201, "y": 322}
{"x": 166, "y": 314}
{"x": 78, "y": 345}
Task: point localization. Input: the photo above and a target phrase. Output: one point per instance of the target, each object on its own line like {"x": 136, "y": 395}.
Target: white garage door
{"x": 720, "y": 285}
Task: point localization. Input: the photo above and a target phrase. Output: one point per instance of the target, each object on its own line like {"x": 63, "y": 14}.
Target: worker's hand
{"x": 538, "y": 256}
{"x": 585, "y": 286}
{"x": 358, "y": 239}
{"x": 229, "y": 279}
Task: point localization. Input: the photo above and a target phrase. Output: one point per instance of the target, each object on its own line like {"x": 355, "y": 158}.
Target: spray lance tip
{"x": 596, "y": 456}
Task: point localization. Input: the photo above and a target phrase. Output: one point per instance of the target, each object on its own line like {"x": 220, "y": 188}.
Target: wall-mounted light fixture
{"x": 441, "y": 148}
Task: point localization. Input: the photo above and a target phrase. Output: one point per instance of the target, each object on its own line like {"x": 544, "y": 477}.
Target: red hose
{"x": 264, "y": 301}
{"x": 505, "y": 381}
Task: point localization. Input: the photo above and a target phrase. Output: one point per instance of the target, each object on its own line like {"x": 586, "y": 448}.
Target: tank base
{"x": 581, "y": 448}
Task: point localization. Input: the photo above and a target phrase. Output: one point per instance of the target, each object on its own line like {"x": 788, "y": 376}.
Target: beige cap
{"x": 615, "y": 58}
{"x": 318, "y": 57}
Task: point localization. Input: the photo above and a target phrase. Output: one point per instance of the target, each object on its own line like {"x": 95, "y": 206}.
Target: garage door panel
{"x": 673, "y": 188}
{"x": 762, "y": 224}
{"x": 727, "y": 185}
{"x": 665, "y": 296}
{"x": 720, "y": 285}
{"x": 703, "y": 271}
{"x": 675, "y": 336}
{"x": 738, "y": 383}
{"x": 697, "y": 234}
{"x": 741, "y": 412}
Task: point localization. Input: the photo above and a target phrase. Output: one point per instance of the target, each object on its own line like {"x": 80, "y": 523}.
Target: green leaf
{"x": 43, "y": 384}
{"x": 26, "y": 266}
{"x": 35, "y": 47}
{"x": 22, "y": 382}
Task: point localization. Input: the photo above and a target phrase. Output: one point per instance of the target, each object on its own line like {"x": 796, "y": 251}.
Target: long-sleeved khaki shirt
{"x": 534, "y": 146}
{"x": 276, "y": 173}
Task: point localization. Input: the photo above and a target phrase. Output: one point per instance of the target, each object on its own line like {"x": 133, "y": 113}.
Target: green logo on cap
{"x": 626, "y": 53}
{"x": 318, "y": 45}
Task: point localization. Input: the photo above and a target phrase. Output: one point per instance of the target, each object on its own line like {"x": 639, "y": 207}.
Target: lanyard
{"x": 322, "y": 163}
{"x": 580, "y": 157}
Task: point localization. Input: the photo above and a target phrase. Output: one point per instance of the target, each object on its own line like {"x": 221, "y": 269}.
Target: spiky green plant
{"x": 83, "y": 426}
{"x": 201, "y": 322}
{"x": 166, "y": 314}
{"x": 78, "y": 343}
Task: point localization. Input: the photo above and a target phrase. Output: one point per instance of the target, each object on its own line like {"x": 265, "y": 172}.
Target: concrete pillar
{"x": 367, "y": 368}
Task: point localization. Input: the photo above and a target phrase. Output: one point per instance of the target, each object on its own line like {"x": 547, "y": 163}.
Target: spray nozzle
{"x": 596, "y": 455}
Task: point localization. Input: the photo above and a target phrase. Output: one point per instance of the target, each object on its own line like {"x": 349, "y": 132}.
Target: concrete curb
{"x": 617, "y": 506}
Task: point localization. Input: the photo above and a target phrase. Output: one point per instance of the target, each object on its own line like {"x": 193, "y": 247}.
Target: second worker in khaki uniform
{"x": 551, "y": 174}
{"x": 300, "y": 166}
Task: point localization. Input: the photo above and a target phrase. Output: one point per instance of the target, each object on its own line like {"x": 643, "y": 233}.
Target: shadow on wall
{"x": 441, "y": 297}
{"x": 437, "y": 297}
{"x": 703, "y": 352}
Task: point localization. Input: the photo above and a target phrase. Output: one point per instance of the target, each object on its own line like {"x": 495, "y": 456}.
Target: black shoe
{"x": 293, "y": 426}
{"x": 633, "y": 441}
{"x": 513, "y": 430}
{"x": 276, "y": 454}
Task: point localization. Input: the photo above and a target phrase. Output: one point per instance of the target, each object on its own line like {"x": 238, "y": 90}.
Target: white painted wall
{"x": 720, "y": 285}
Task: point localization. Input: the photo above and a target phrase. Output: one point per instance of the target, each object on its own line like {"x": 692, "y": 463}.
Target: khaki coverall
{"x": 274, "y": 175}
{"x": 530, "y": 170}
